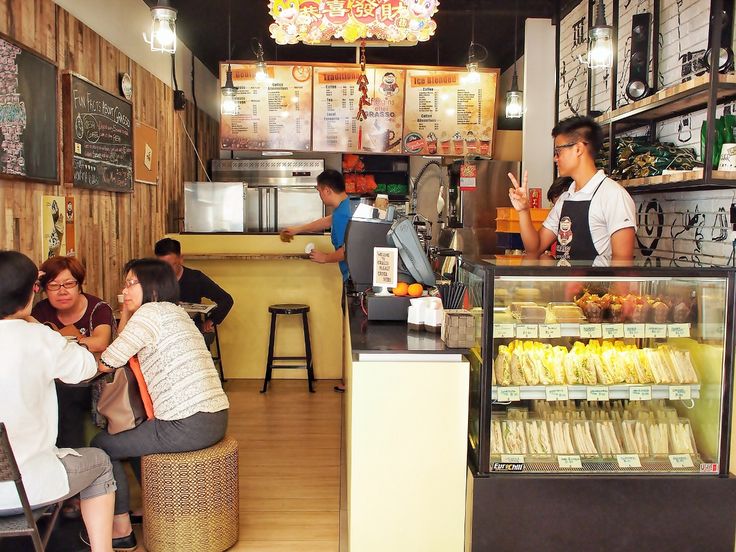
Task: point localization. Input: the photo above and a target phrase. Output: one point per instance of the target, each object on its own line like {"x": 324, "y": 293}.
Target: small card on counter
{"x": 680, "y": 392}
{"x": 678, "y": 330}
{"x": 556, "y": 393}
{"x": 527, "y": 331}
{"x": 657, "y": 331}
{"x": 681, "y": 461}
{"x": 634, "y": 331}
{"x": 567, "y": 462}
{"x": 596, "y": 393}
{"x": 640, "y": 393}
{"x": 549, "y": 331}
{"x": 628, "y": 461}
{"x": 592, "y": 331}
{"x": 508, "y": 394}
{"x": 613, "y": 331}
{"x": 502, "y": 331}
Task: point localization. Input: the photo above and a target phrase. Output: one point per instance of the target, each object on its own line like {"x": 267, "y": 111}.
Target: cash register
{"x": 363, "y": 234}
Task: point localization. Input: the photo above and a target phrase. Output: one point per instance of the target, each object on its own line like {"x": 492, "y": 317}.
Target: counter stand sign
{"x": 385, "y": 269}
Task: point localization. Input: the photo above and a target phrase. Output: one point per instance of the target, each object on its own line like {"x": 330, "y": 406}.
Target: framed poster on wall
{"x": 98, "y": 136}
{"x": 146, "y": 153}
{"x": 28, "y": 114}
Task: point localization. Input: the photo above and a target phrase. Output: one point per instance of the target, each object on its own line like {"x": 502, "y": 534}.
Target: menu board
{"x": 98, "y": 144}
{"x": 447, "y": 114}
{"x": 336, "y": 98}
{"x": 273, "y": 114}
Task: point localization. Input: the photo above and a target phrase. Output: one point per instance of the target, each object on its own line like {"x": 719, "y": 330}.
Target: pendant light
{"x": 228, "y": 103}
{"x": 261, "y": 67}
{"x": 514, "y": 97}
{"x": 600, "y": 42}
{"x": 474, "y": 60}
{"x": 163, "y": 28}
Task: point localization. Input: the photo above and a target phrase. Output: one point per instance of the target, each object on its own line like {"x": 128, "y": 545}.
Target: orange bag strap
{"x": 135, "y": 366}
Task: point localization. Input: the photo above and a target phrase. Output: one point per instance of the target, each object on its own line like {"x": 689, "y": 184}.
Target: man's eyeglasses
{"x": 130, "y": 283}
{"x": 559, "y": 148}
{"x": 55, "y": 286}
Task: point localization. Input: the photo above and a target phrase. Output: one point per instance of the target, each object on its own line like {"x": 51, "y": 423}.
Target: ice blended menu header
{"x": 416, "y": 111}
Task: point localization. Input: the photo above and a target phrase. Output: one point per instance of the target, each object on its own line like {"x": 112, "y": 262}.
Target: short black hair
{"x": 332, "y": 179}
{"x": 167, "y": 246}
{"x": 583, "y": 129}
{"x": 157, "y": 280}
{"x": 560, "y": 185}
{"x": 18, "y": 273}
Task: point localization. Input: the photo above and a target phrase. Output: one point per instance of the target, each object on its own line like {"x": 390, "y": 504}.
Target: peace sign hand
{"x": 519, "y": 195}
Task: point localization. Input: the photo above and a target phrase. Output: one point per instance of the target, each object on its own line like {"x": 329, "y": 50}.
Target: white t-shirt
{"x": 33, "y": 356}
{"x": 611, "y": 209}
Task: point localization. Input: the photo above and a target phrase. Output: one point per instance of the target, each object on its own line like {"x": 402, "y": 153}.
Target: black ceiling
{"x": 202, "y": 26}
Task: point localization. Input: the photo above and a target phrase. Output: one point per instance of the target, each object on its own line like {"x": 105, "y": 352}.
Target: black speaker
{"x": 638, "y": 86}
{"x": 725, "y": 53}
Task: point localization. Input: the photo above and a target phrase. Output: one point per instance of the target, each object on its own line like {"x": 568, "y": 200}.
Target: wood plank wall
{"x": 111, "y": 227}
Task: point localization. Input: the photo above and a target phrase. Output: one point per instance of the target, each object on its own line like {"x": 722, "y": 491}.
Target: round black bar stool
{"x": 276, "y": 310}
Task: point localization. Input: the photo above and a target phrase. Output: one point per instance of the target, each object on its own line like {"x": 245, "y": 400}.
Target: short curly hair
{"x": 56, "y": 265}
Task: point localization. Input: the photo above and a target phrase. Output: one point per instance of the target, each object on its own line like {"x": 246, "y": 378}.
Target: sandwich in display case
{"x": 600, "y": 394}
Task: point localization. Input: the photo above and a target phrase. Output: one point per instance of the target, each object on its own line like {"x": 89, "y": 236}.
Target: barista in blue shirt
{"x": 331, "y": 187}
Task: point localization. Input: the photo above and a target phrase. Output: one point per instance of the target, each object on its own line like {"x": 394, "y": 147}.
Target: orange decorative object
{"x": 416, "y": 290}
{"x": 401, "y": 289}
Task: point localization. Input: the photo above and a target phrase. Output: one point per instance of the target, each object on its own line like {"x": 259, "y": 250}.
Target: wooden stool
{"x": 190, "y": 499}
{"x": 275, "y": 310}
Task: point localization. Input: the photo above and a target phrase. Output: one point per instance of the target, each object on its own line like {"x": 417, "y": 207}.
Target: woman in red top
{"x": 72, "y": 312}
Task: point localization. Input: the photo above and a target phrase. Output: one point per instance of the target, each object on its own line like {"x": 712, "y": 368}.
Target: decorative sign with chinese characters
{"x": 313, "y": 21}
{"x": 336, "y": 99}
{"x": 275, "y": 114}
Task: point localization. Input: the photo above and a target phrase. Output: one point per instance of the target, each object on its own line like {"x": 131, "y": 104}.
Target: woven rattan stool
{"x": 190, "y": 499}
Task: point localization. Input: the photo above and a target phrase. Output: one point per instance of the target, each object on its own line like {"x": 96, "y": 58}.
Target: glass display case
{"x": 600, "y": 370}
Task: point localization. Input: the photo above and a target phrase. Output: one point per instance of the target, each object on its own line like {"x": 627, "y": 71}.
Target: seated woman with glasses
{"x": 33, "y": 357}
{"x": 73, "y": 313}
{"x": 189, "y": 405}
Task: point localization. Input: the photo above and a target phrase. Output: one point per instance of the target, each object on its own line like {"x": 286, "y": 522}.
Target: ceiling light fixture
{"x": 228, "y": 103}
{"x": 163, "y": 28}
{"x": 474, "y": 60}
{"x": 261, "y": 67}
{"x": 515, "y": 97}
{"x": 600, "y": 42}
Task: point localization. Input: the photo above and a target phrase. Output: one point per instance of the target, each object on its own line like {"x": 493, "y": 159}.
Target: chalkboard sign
{"x": 98, "y": 137}
{"x": 29, "y": 141}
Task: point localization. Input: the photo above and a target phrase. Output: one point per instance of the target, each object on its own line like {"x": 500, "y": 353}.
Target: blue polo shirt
{"x": 340, "y": 219}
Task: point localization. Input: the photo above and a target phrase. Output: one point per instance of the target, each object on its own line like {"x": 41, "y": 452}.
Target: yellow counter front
{"x": 261, "y": 270}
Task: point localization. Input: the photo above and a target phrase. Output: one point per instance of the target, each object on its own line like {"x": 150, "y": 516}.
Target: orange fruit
{"x": 401, "y": 289}
{"x": 416, "y": 290}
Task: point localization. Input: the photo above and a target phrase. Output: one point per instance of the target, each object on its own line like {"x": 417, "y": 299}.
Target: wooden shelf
{"x": 246, "y": 256}
{"x": 669, "y": 102}
{"x": 681, "y": 180}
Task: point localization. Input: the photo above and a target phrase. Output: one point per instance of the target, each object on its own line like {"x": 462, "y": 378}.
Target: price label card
{"x": 503, "y": 331}
{"x": 590, "y": 330}
{"x": 655, "y": 330}
{"x": 634, "y": 331}
{"x": 678, "y": 330}
{"x": 569, "y": 461}
{"x": 628, "y": 461}
{"x": 640, "y": 393}
{"x": 512, "y": 458}
{"x": 613, "y": 331}
{"x": 549, "y": 331}
{"x": 681, "y": 461}
{"x": 556, "y": 392}
{"x": 596, "y": 393}
{"x": 527, "y": 331}
{"x": 508, "y": 394}
{"x": 680, "y": 392}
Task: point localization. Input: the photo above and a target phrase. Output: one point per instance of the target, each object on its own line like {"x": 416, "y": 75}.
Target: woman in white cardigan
{"x": 33, "y": 357}
{"x": 189, "y": 406}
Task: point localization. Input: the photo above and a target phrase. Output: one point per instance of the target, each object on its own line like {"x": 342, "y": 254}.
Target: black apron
{"x": 574, "y": 240}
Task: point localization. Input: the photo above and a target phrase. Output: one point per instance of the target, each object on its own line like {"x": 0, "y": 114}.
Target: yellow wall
{"x": 256, "y": 284}
{"x": 508, "y": 145}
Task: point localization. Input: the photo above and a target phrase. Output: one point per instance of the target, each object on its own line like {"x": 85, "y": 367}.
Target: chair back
{"x": 8, "y": 467}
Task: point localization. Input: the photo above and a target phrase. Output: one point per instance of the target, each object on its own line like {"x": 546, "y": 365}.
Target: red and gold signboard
{"x": 273, "y": 115}
{"x": 335, "y": 103}
{"x": 312, "y": 21}
{"x": 445, "y": 113}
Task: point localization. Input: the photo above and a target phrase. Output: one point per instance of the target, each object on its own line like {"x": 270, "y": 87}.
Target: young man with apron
{"x": 595, "y": 219}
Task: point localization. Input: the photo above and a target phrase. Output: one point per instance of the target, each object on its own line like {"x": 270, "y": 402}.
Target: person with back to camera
{"x": 189, "y": 406}
{"x": 72, "y": 312}
{"x": 34, "y": 356}
{"x": 595, "y": 219}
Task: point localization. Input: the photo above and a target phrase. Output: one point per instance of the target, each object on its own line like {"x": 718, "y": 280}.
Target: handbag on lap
{"x": 120, "y": 402}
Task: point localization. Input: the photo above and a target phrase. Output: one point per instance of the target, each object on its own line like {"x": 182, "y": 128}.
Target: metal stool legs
{"x": 218, "y": 359}
{"x": 308, "y": 352}
{"x": 269, "y": 362}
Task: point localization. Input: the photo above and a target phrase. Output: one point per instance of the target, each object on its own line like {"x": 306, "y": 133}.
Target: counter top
{"x": 385, "y": 337}
{"x": 246, "y": 256}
